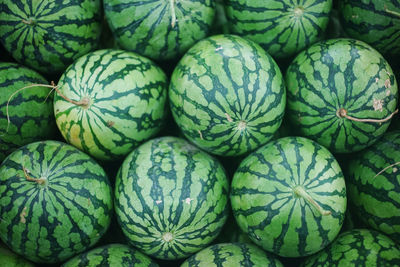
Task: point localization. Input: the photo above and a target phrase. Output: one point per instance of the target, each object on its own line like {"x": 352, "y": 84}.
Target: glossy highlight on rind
{"x": 124, "y": 102}
{"x": 55, "y": 201}
{"x": 269, "y": 203}
{"x": 227, "y": 95}
{"x": 171, "y": 198}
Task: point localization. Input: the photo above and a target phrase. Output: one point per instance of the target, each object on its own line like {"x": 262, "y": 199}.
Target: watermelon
{"x": 159, "y": 29}
{"x": 25, "y": 114}
{"x": 111, "y": 255}
{"x": 341, "y": 93}
{"x": 171, "y": 198}
{"x": 48, "y": 35}
{"x": 10, "y": 259}
{"x": 232, "y": 255}
{"x": 282, "y": 27}
{"x": 55, "y": 201}
{"x": 358, "y": 247}
{"x": 227, "y": 95}
{"x": 289, "y": 196}
{"x": 109, "y": 101}
{"x": 374, "y": 185}
{"x": 376, "y": 22}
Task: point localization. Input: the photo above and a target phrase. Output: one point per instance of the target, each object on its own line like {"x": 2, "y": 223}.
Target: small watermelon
{"x": 289, "y": 196}
{"x": 48, "y": 35}
{"x": 171, "y": 198}
{"x": 109, "y": 101}
{"x": 374, "y": 185}
{"x": 112, "y": 255}
{"x": 341, "y": 93}
{"x": 55, "y": 201}
{"x": 282, "y": 27}
{"x": 358, "y": 247}
{"x": 227, "y": 95}
{"x": 26, "y": 115}
{"x": 376, "y": 22}
{"x": 159, "y": 29}
{"x": 232, "y": 255}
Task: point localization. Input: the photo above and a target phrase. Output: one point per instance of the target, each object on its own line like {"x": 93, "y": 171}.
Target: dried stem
{"x": 342, "y": 113}
{"x": 28, "y": 21}
{"x": 173, "y": 14}
{"x": 29, "y": 178}
{"x": 390, "y": 166}
{"x": 391, "y": 12}
{"x": 299, "y": 190}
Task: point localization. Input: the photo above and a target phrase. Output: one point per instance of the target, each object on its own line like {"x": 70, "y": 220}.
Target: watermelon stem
{"x": 342, "y": 113}
{"x": 387, "y": 167}
{"x": 40, "y": 181}
{"x": 173, "y": 14}
{"x": 299, "y": 191}
{"x": 84, "y": 102}
{"x": 391, "y": 12}
{"x": 29, "y": 21}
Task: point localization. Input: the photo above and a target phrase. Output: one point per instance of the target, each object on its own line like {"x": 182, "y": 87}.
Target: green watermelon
{"x": 55, "y": 201}
{"x": 159, "y": 29}
{"x": 232, "y": 255}
{"x": 112, "y": 255}
{"x": 282, "y": 27}
{"x": 25, "y": 114}
{"x": 48, "y": 35}
{"x": 10, "y": 259}
{"x": 358, "y": 247}
{"x": 341, "y": 93}
{"x": 289, "y": 196}
{"x": 376, "y": 22}
{"x": 171, "y": 198}
{"x": 227, "y": 95}
{"x": 374, "y": 185}
{"x": 109, "y": 101}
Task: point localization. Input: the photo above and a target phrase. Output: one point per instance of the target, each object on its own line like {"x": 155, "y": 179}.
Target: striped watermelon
{"x": 25, "y": 115}
{"x": 55, "y": 201}
{"x": 171, "y": 198}
{"x": 227, "y": 95}
{"x": 159, "y": 29}
{"x": 358, "y": 247}
{"x": 112, "y": 255}
{"x": 10, "y": 259}
{"x": 374, "y": 185}
{"x": 376, "y": 22}
{"x": 115, "y": 100}
{"x": 48, "y": 35}
{"x": 282, "y": 27}
{"x": 232, "y": 255}
{"x": 289, "y": 196}
{"x": 341, "y": 93}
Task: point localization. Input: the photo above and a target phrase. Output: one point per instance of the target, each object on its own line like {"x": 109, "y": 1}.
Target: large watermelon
{"x": 25, "y": 114}
{"x": 227, "y": 95}
{"x": 341, "y": 93}
{"x": 282, "y": 27}
{"x": 232, "y": 255}
{"x": 171, "y": 198}
{"x": 374, "y": 185}
{"x": 358, "y": 247}
{"x": 109, "y": 101}
{"x": 55, "y": 201}
{"x": 289, "y": 196}
{"x": 48, "y": 35}
{"x": 376, "y": 22}
{"x": 112, "y": 255}
{"x": 10, "y": 259}
{"x": 159, "y": 29}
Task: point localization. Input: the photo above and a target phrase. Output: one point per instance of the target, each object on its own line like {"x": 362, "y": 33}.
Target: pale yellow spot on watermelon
{"x": 74, "y": 136}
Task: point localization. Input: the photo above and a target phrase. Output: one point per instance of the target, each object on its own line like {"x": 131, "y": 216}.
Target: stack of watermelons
{"x": 199, "y": 133}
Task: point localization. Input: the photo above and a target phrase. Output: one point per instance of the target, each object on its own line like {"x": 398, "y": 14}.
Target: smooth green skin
{"x": 10, "y": 259}
{"x": 112, "y": 255}
{"x": 227, "y": 95}
{"x": 60, "y": 31}
{"x": 265, "y": 203}
{"x": 51, "y": 222}
{"x": 232, "y": 255}
{"x": 167, "y": 185}
{"x": 127, "y": 103}
{"x": 358, "y": 247}
{"x": 282, "y": 27}
{"x": 30, "y": 112}
{"x": 160, "y": 29}
{"x": 335, "y": 74}
{"x": 376, "y": 22}
{"x": 374, "y": 185}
